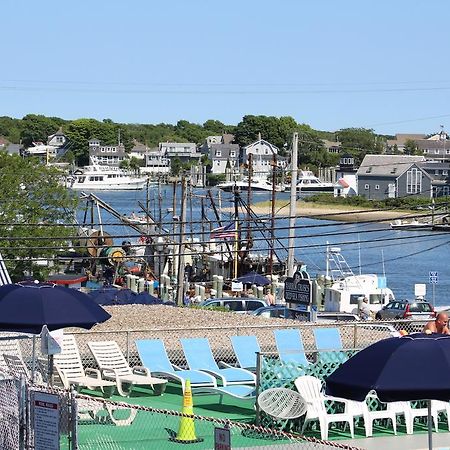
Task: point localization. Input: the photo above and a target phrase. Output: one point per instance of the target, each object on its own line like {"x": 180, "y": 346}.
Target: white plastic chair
{"x": 310, "y": 388}
{"x": 70, "y": 368}
{"x": 282, "y": 403}
{"x": 389, "y": 413}
{"x": 437, "y": 406}
{"x": 114, "y": 366}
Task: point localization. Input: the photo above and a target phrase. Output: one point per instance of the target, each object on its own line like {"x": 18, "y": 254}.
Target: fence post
{"x": 128, "y": 347}
{"x": 73, "y": 422}
{"x": 23, "y": 416}
{"x": 258, "y": 380}
{"x": 355, "y": 336}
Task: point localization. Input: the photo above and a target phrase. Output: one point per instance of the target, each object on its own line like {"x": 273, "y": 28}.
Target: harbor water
{"x": 404, "y": 257}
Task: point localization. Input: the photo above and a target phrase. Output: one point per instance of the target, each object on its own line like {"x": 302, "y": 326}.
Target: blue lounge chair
{"x": 329, "y": 345}
{"x": 242, "y": 392}
{"x": 290, "y": 347}
{"x": 154, "y": 357}
{"x": 245, "y": 349}
{"x": 199, "y": 357}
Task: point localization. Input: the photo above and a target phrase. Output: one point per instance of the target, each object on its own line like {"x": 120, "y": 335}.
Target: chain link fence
{"x": 102, "y": 424}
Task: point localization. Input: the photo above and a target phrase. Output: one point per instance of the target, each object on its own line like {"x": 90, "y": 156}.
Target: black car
{"x": 406, "y": 309}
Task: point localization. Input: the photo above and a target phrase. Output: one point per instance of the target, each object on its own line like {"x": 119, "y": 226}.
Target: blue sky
{"x": 331, "y": 64}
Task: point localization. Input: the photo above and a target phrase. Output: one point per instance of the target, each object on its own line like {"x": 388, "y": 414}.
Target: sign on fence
{"x": 222, "y": 439}
{"x": 46, "y": 421}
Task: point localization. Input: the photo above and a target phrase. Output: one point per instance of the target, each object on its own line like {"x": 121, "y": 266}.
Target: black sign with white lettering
{"x": 298, "y": 290}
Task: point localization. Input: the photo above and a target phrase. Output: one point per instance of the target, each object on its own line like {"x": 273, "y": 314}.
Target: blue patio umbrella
{"x": 253, "y": 278}
{"x": 412, "y": 367}
{"x": 27, "y": 307}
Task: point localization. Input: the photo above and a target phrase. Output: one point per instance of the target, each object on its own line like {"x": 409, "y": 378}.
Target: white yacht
{"x": 97, "y": 177}
{"x": 308, "y": 182}
{"x": 257, "y": 184}
{"x": 346, "y": 290}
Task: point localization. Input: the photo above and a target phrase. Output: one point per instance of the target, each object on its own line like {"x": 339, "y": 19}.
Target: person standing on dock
{"x": 270, "y": 299}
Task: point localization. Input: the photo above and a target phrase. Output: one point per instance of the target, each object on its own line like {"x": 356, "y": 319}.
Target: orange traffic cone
{"x": 186, "y": 430}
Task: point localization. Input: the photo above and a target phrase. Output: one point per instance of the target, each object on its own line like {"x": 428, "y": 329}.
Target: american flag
{"x": 224, "y": 232}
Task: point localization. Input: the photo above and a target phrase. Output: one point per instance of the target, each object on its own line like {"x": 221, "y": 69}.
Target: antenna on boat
{"x": 359, "y": 253}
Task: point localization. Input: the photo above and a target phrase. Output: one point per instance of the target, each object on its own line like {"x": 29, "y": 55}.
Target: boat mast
{"x": 236, "y": 237}
{"x": 181, "y": 246}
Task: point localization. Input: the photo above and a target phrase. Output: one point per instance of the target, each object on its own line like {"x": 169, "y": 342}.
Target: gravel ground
{"x": 156, "y": 317}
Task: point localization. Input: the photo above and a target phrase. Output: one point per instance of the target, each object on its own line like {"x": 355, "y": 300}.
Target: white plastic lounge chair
{"x": 245, "y": 349}
{"x": 388, "y": 412}
{"x": 310, "y": 388}
{"x": 437, "y": 406}
{"x": 282, "y": 403}
{"x": 92, "y": 410}
{"x": 290, "y": 347}
{"x": 199, "y": 357}
{"x": 114, "y": 366}
{"x": 71, "y": 371}
{"x": 154, "y": 357}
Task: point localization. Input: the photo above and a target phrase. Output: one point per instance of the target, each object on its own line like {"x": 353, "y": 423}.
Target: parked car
{"x": 323, "y": 316}
{"x": 236, "y": 304}
{"x": 279, "y": 311}
{"x": 406, "y": 309}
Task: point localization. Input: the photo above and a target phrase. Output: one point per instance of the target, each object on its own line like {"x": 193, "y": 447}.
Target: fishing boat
{"x": 346, "y": 290}
{"x": 97, "y": 177}
{"x": 257, "y": 184}
{"x": 308, "y": 182}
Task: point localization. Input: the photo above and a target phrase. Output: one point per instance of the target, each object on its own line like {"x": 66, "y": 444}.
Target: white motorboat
{"x": 97, "y": 177}
{"x": 346, "y": 290}
{"x": 413, "y": 224}
{"x": 257, "y": 184}
{"x": 308, "y": 182}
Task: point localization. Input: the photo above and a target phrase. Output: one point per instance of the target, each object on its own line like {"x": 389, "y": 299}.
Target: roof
{"x": 400, "y": 139}
{"x": 387, "y": 165}
{"x": 343, "y": 183}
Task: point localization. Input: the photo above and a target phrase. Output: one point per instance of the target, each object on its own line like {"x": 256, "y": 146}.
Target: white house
{"x": 347, "y": 183}
{"x": 262, "y": 157}
{"x": 224, "y": 156}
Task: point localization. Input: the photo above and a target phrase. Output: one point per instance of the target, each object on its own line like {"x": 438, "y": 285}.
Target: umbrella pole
{"x": 430, "y": 427}
{"x": 33, "y": 360}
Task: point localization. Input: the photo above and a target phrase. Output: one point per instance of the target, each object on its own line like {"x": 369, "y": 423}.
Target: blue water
{"x": 404, "y": 257}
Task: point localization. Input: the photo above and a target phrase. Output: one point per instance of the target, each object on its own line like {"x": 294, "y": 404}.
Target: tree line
{"x": 277, "y": 130}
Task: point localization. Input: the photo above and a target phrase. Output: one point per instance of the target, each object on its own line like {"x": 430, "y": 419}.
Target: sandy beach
{"x": 332, "y": 212}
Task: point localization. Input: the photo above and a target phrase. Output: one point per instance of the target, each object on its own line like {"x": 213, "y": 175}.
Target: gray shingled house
{"x": 391, "y": 176}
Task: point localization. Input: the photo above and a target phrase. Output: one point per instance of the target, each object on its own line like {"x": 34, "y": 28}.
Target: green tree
{"x": 175, "y": 166}
{"x": 34, "y": 204}
{"x": 275, "y": 130}
{"x": 38, "y": 128}
{"x": 360, "y": 141}
{"x": 411, "y": 148}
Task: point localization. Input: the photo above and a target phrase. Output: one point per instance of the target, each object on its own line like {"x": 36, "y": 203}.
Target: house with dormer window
{"x": 391, "y": 176}
{"x": 224, "y": 156}
{"x": 110, "y": 155}
{"x": 262, "y": 157}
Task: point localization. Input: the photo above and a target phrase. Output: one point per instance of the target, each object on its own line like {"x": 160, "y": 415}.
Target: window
{"x": 218, "y": 153}
{"x": 447, "y": 151}
{"x": 425, "y": 150}
{"x": 366, "y": 187}
{"x": 394, "y": 170}
{"x": 369, "y": 169}
{"x": 445, "y": 172}
{"x": 413, "y": 181}
{"x": 354, "y": 298}
{"x": 377, "y": 187}
{"x": 436, "y": 151}
{"x": 376, "y": 299}
{"x": 232, "y": 154}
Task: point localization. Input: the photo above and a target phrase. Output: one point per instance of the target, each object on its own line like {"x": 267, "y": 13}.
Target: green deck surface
{"x": 149, "y": 430}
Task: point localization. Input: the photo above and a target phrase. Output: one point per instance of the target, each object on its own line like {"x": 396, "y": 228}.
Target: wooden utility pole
{"x": 272, "y": 221}
{"x": 293, "y": 206}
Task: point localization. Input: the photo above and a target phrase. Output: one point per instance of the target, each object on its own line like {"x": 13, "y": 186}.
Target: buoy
{"x": 186, "y": 430}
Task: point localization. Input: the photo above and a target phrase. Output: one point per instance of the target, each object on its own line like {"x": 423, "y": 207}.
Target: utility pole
{"x": 293, "y": 205}
{"x": 181, "y": 245}
{"x": 272, "y": 221}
